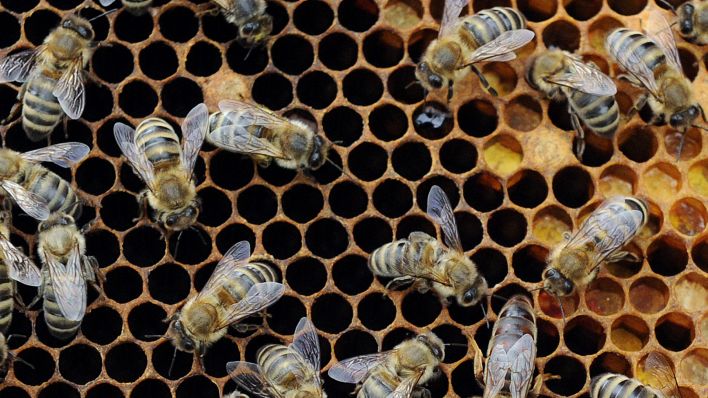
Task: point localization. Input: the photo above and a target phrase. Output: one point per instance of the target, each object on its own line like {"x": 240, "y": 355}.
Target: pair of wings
{"x": 518, "y": 360}
{"x": 259, "y": 296}
{"x": 500, "y": 49}
{"x": 249, "y": 376}
{"x": 659, "y": 31}
{"x": 69, "y": 284}
{"x": 355, "y": 370}
{"x": 608, "y": 228}
{"x": 69, "y": 89}
{"x": 662, "y": 375}
{"x": 194, "y": 130}
{"x": 236, "y": 136}
{"x": 584, "y": 77}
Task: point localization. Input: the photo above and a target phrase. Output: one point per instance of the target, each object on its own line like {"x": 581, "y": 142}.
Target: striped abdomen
{"x": 379, "y": 384}
{"x": 41, "y": 111}
{"x": 58, "y": 325}
{"x": 158, "y": 140}
{"x": 622, "y": 42}
{"x": 610, "y": 385}
{"x": 137, "y": 7}
{"x": 58, "y": 193}
{"x": 599, "y": 113}
{"x": 282, "y": 366}
{"x": 250, "y": 274}
{"x": 385, "y": 260}
{"x": 223, "y": 119}
{"x": 487, "y": 25}
{"x": 7, "y": 303}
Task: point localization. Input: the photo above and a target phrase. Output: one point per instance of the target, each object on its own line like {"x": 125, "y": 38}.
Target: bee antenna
{"x": 10, "y": 336}
{"x": 179, "y": 237}
{"x": 248, "y": 53}
{"x": 455, "y": 345}
{"x": 700, "y": 127}
{"x": 172, "y": 363}
{"x": 536, "y": 289}
{"x": 499, "y": 297}
{"x": 484, "y": 311}
{"x": 152, "y": 336}
{"x": 413, "y": 83}
{"x": 667, "y": 4}
{"x": 560, "y": 304}
{"x": 680, "y": 148}
{"x": 328, "y": 160}
{"x": 103, "y": 14}
{"x": 199, "y": 233}
{"x": 15, "y": 358}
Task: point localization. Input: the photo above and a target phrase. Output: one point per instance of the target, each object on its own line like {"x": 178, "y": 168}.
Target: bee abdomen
{"x": 41, "y": 111}
{"x": 137, "y": 6}
{"x": 279, "y": 363}
{"x": 251, "y": 274}
{"x": 158, "y": 140}
{"x": 379, "y": 384}
{"x": 623, "y": 41}
{"x": 384, "y": 261}
{"x": 7, "y": 303}
{"x": 609, "y": 385}
{"x": 55, "y": 190}
{"x": 599, "y": 113}
{"x": 487, "y": 25}
{"x": 58, "y": 325}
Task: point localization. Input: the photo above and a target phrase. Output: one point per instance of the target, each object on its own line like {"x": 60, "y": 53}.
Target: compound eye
{"x": 688, "y": 8}
{"x": 66, "y": 24}
{"x": 470, "y": 295}
{"x": 693, "y": 111}
{"x": 567, "y": 287}
{"x": 686, "y": 26}
{"x": 676, "y": 119}
{"x": 435, "y": 81}
{"x": 249, "y": 28}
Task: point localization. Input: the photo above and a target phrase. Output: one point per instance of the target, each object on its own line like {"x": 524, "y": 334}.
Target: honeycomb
{"x": 346, "y": 66}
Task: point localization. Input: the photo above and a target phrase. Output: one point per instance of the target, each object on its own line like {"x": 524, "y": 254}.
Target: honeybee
{"x": 660, "y": 383}
{"x": 154, "y": 152}
{"x": 489, "y": 35}
{"x": 601, "y": 236}
{"x": 396, "y": 373}
{"x": 692, "y": 20}
{"x": 234, "y": 291}
{"x": 511, "y": 353}
{"x": 52, "y": 75}
{"x": 250, "y": 16}
{"x": 135, "y": 7}
{"x": 652, "y": 62}
{"x": 255, "y": 130}
{"x": 284, "y": 371}
{"x": 37, "y": 190}
{"x": 428, "y": 263}
{"x": 65, "y": 273}
{"x": 589, "y": 92}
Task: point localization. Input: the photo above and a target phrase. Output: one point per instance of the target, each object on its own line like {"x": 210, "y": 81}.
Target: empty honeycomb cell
{"x": 529, "y": 262}
{"x": 343, "y": 125}
{"x": 9, "y": 29}
{"x": 38, "y": 25}
{"x": 65, "y": 4}
{"x": 584, "y": 335}
{"x": 118, "y": 210}
{"x": 458, "y": 156}
{"x": 313, "y": 17}
{"x": 108, "y": 244}
{"x": 547, "y": 339}
{"x": 611, "y": 362}
{"x": 331, "y": 313}
{"x": 537, "y": 11}
{"x": 203, "y": 59}
{"x": 627, "y": 7}
{"x": 302, "y": 203}
{"x": 59, "y": 389}
{"x": 371, "y": 233}
{"x": 400, "y": 86}
{"x": 617, "y": 180}
{"x": 561, "y": 34}
{"x": 197, "y": 386}
{"x": 674, "y": 331}
{"x": 467, "y": 316}
{"x": 582, "y": 10}
{"x": 362, "y": 87}
{"x": 80, "y": 363}
{"x": 132, "y": 28}
{"x": 326, "y": 238}
{"x": 483, "y": 192}
{"x": 432, "y": 120}
{"x": 637, "y": 143}
{"x": 331, "y": 170}
{"x": 688, "y": 216}
{"x": 421, "y": 309}
{"x": 143, "y": 246}
{"x": 456, "y": 341}
{"x": 491, "y": 263}
{"x": 257, "y": 204}
{"x": 376, "y": 311}
{"x": 292, "y": 54}
{"x": 43, "y": 363}
{"x": 551, "y": 305}
{"x": 338, "y": 51}
{"x": 104, "y": 390}
{"x": 478, "y": 118}
{"x": 347, "y": 199}
{"x": 194, "y": 238}
{"x": 388, "y": 122}
{"x": 353, "y": 343}
{"x": 368, "y": 161}
{"x": 105, "y": 139}
{"x": 351, "y": 274}
{"x": 699, "y": 253}
{"x": 95, "y": 176}
{"x": 284, "y": 314}
{"x": 306, "y": 275}
{"x": 470, "y": 229}
{"x": 219, "y": 209}
{"x": 604, "y": 296}
{"x": 667, "y": 255}
{"x": 246, "y": 61}
{"x": 169, "y": 283}
{"x": 448, "y": 186}
{"x": 123, "y": 284}
{"x": 221, "y": 352}
{"x": 137, "y": 99}
{"x": 358, "y": 15}
{"x": 150, "y": 388}
{"x": 383, "y": 48}
{"x": 392, "y": 198}
{"x": 503, "y": 154}
{"x": 102, "y": 325}
{"x": 523, "y": 113}
{"x": 273, "y": 90}
{"x": 147, "y": 320}
{"x": 317, "y": 89}
{"x": 558, "y": 113}
{"x": 573, "y": 186}
{"x": 162, "y": 357}
{"x": 223, "y": 161}
{"x": 692, "y": 141}
{"x": 112, "y": 63}
{"x": 573, "y": 375}
{"x": 693, "y": 367}
{"x": 419, "y": 41}
{"x": 692, "y": 292}
{"x": 527, "y": 188}
{"x": 178, "y": 24}
{"x": 550, "y": 224}
{"x": 462, "y": 384}
{"x": 629, "y": 333}
{"x": 19, "y": 6}
{"x": 411, "y": 160}
{"x": 410, "y": 224}
{"x": 180, "y": 95}
{"x": 233, "y": 233}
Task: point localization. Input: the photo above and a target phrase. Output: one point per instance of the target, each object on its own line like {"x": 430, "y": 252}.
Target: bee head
{"x": 256, "y": 31}
{"x": 555, "y": 283}
{"x": 429, "y": 79}
{"x": 319, "y": 153}
{"x": 54, "y": 220}
{"x": 79, "y": 25}
{"x": 436, "y": 346}
{"x": 683, "y": 119}
{"x": 181, "y": 337}
{"x": 473, "y": 293}
{"x": 182, "y": 219}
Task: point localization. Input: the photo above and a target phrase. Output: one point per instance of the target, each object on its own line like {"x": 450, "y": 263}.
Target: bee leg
{"x": 93, "y": 273}
{"x": 142, "y": 206}
{"x": 18, "y": 298}
{"x": 483, "y": 81}
{"x": 207, "y": 9}
{"x": 637, "y": 105}
{"x": 40, "y": 294}
{"x": 623, "y": 255}
{"x": 575, "y": 121}
{"x": 478, "y": 367}
{"x": 399, "y": 282}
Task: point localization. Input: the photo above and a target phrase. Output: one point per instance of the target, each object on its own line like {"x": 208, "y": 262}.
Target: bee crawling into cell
{"x": 6, "y": 357}
{"x": 291, "y": 371}
{"x": 657, "y": 380}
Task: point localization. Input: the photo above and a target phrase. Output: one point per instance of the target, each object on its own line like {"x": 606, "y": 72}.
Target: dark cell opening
{"x": 558, "y": 113}
{"x": 218, "y": 355}
{"x": 478, "y": 118}
{"x": 306, "y": 275}
{"x": 65, "y": 4}
{"x": 491, "y": 263}
{"x": 152, "y": 388}
{"x": 326, "y": 238}
{"x": 197, "y": 386}
{"x": 102, "y": 325}
{"x": 342, "y": 125}
{"x": 285, "y": 314}
{"x": 256, "y": 61}
{"x": 547, "y": 339}
{"x": 628, "y": 7}
{"x": 180, "y": 95}
{"x": 527, "y": 188}
{"x": 133, "y": 28}
{"x": 452, "y": 335}
{"x": 143, "y": 246}
{"x": 161, "y": 359}
{"x": 674, "y": 331}
{"x": 126, "y": 362}
{"x": 147, "y": 319}
{"x": 368, "y": 161}
{"x": 218, "y": 210}
{"x": 388, "y": 122}
{"x": 466, "y": 315}
{"x": 582, "y": 10}
{"x": 376, "y": 311}
{"x": 392, "y": 198}
{"x": 448, "y": 186}
{"x": 338, "y": 51}
{"x": 272, "y": 90}
{"x": 95, "y": 176}
{"x": 421, "y": 309}
{"x": 470, "y": 228}
{"x": 257, "y": 204}
{"x": 178, "y": 24}
{"x": 358, "y": 15}
{"x": 419, "y": 42}
{"x": 562, "y": 34}
{"x": 169, "y": 283}
{"x": 667, "y": 256}
{"x": 44, "y": 366}
{"x": 222, "y": 162}
{"x": 123, "y": 284}
{"x": 351, "y": 274}
{"x": 395, "y": 337}
{"x": 458, "y": 156}
{"x": 118, "y": 210}
{"x": 15, "y": 392}
{"x": 39, "y": 24}
{"x": 400, "y": 87}
{"x": 372, "y": 233}
{"x": 112, "y": 63}
{"x": 232, "y": 234}
{"x": 137, "y": 99}
{"x": 331, "y": 313}
{"x": 203, "y": 59}
{"x": 347, "y": 199}
{"x": 414, "y": 223}
{"x": 354, "y": 343}
{"x": 383, "y": 48}
{"x": 584, "y": 335}
{"x": 537, "y": 11}
{"x": 108, "y": 244}
{"x": 59, "y": 389}
{"x": 572, "y": 375}
{"x": 463, "y": 382}
{"x": 281, "y": 240}
{"x": 598, "y": 150}
{"x": 277, "y": 176}
{"x": 292, "y": 54}
{"x": 362, "y": 87}
{"x": 638, "y": 143}
{"x": 573, "y": 187}
{"x": 217, "y": 28}
{"x": 611, "y": 362}
{"x": 190, "y": 246}
{"x": 104, "y": 390}
{"x": 317, "y": 89}
{"x": 9, "y": 29}
{"x": 302, "y": 203}
{"x": 19, "y": 6}
{"x": 313, "y": 17}
{"x": 507, "y": 227}
{"x": 483, "y": 192}
{"x": 529, "y": 262}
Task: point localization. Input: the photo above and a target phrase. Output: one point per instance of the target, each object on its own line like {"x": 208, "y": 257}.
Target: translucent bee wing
{"x": 505, "y": 43}
{"x": 409, "y": 267}
{"x": 306, "y": 342}
{"x": 65, "y": 154}
{"x": 440, "y": 210}
{"x": 522, "y": 355}
{"x": 259, "y": 297}
{"x": 245, "y": 114}
{"x": 248, "y": 376}
{"x": 236, "y": 138}
{"x": 659, "y": 30}
{"x": 70, "y": 90}
{"x": 498, "y": 364}
{"x": 18, "y": 67}
{"x": 34, "y": 205}
{"x": 585, "y": 78}
{"x": 405, "y": 388}
{"x": 353, "y": 370}
{"x": 69, "y": 284}
{"x": 228, "y": 267}
{"x": 663, "y": 374}
{"x": 451, "y": 13}
{"x": 21, "y": 268}
{"x": 106, "y": 3}
{"x": 125, "y": 137}
{"x": 635, "y": 66}
{"x": 194, "y": 130}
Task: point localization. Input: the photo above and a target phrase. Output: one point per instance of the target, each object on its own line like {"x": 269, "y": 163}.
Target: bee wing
{"x": 106, "y": 3}
{"x": 660, "y": 32}
{"x": 307, "y": 343}
{"x": 194, "y": 130}
{"x": 248, "y": 376}
{"x": 70, "y": 90}
{"x": 405, "y": 388}
{"x": 65, "y": 154}
{"x": 17, "y": 67}
{"x": 228, "y": 267}
{"x": 34, "y": 205}
{"x": 585, "y": 78}
{"x": 451, "y": 13}
{"x": 498, "y": 364}
{"x": 22, "y": 269}
{"x": 69, "y": 284}
{"x": 522, "y": 355}
{"x": 501, "y": 48}
{"x": 635, "y": 66}
{"x": 439, "y": 209}
{"x": 259, "y": 297}
{"x": 663, "y": 374}
{"x": 125, "y": 137}
{"x": 245, "y": 114}
{"x": 353, "y": 370}
{"x": 237, "y": 139}
{"x": 410, "y": 267}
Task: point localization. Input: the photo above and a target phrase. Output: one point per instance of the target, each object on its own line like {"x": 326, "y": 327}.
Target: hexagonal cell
{"x": 478, "y": 118}
{"x": 432, "y": 120}
{"x": 604, "y": 296}
{"x": 629, "y": 333}
{"x": 627, "y": 7}
{"x": 675, "y": 331}
{"x": 537, "y": 11}
{"x": 617, "y": 180}
{"x": 690, "y": 143}
{"x": 573, "y": 186}
{"x": 661, "y": 182}
{"x": 599, "y": 29}
{"x": 698, "y": 177}
{"x": 655, "y": 222}
{"x": 667, "y": 255}
{"x": 611, "y": 362}
{"x": 500, "y": 76}
{"x": 503, "y": 154}
{"x": 638, "y": 143}
{"x": 688, "y": 216}
{"x": 523, "y": 113}
{"x": 584, "y": 335}
{"x": 699, "y": 253}
{"x": 692, "y": 292}
{"x": 649, "y": 295}
{"x": 694, "y": 367}
{"x": 403, "y": 14}
{"x": 562, "y": 34}
{"x": 551, "y": 306}
{"x": 550, "y": 224}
